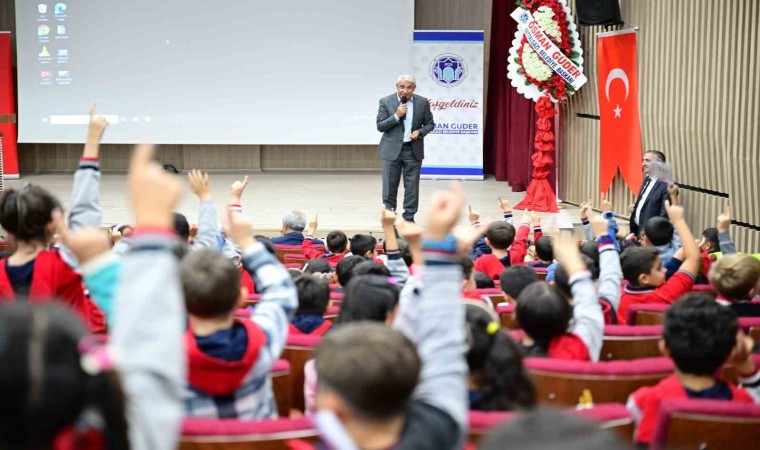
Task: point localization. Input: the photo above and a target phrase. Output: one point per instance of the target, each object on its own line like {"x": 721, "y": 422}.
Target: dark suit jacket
{"x": 294, "y": 238}
{"x": 654, "y": 206}
{"x": 393, "y": 130}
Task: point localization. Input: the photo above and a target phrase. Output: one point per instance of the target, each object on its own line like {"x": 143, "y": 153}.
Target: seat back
{"x": 283, "y": 391}
{"x": 225, "y": 434}
{"x": 298, "y": 350}
{"x": 294, "y": 258}
{"x": 706, "y": 424}
{"x": 562, "y": 382}
{"x": 507, "y": 315}
{"x": 612, "y": 416}
{"x": 646, "y": 314}
{"x": 630, "y": 342}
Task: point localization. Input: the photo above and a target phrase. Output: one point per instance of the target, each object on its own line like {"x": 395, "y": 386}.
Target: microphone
{"x": 403, "y": 102}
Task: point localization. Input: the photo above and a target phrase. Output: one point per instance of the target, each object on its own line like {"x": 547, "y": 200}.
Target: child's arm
{"x": 85, "y": 204}
{"x": 439, "y": 332}
{"x": 147, "y": 336}
{"x": 208, "y": 226}
{"x": 395, "y": 263}
{"x": 586, "y": 216}
{"x": 724, "y": 238}
{"x": 610, "y": 274}
{"x": 279, "y": 298}
{"x": 520, "y": 245}
{"x": 307, "y": 246}
{"x": 692, "y": 259}
{"x": 588, "y": 320}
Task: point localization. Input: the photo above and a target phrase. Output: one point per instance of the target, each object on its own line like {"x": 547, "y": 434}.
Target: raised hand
{"x": 237, "y": 188}
{"x": 536, "y": 219}
{"x": 586, "y": 209}
{"x": 387, "y": 217}
{"x": 313, "y": 224}
{"x": 199, "y": 184}
{"x": 606, "y": 204}
{"x": 445, "y": 210}
{"x": 527, "y": 217}
{"x": 97, "y": 126}
{"x": 411, "y": 232}
{"x": 153, "y": 193}
{"x": 504, "y": 205}
{"x": 567, "y": 253}
{"x": 673, "y": 193}
{"x": 472, "y": 215}
{"x": 724, "y": 221}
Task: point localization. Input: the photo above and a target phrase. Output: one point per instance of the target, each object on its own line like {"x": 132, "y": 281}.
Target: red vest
{"x": 53, "y": 279}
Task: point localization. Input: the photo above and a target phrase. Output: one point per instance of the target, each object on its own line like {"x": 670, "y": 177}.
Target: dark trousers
{"x": 408, "y": 166}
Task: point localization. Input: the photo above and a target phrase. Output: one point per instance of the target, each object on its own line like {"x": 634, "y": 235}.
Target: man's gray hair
{"x": 295, "y": 220}
{"x": 408, "y": 78}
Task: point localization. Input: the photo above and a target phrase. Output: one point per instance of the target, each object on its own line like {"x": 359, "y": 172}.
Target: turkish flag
{"x": 620, "y": 130}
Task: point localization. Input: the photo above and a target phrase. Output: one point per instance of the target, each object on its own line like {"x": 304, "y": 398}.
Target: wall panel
{"x": 698, "y": 94}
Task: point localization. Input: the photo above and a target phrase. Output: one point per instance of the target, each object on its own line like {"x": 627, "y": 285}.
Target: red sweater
{"x": 53, "y": 279}
{"x": 647, "y": 400}
{"x": 568, "y": 346}
{"x": 308, "y": 250}
{"x": 678, "y": 285}
{"x": 493, "y": 266}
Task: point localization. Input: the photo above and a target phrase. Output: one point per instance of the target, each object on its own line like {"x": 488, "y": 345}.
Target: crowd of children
{"x": 415, "y": 344}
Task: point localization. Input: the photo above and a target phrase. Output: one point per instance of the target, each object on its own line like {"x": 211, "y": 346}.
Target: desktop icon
{"x": 63, "y": 73}
{"x": 45, "y": 74}
{"x": 63, "y": 52}
{"x": 44, "y": 53}
{"x": 43, "y": 30}
{"x": 60, "y": 8}
{"x": 42, "y": 8}
{"x": 61, "y": 29}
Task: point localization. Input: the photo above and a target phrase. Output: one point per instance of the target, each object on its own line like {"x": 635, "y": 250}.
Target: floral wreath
{"x": 530, "y": 75}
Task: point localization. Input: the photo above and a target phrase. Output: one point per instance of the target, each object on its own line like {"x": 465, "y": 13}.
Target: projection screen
{"x": 210, "y": 72}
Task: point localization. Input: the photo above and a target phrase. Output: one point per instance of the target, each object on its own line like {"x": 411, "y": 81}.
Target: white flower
{"x": 534, "y": 65}
{"x": 545, "y": 18}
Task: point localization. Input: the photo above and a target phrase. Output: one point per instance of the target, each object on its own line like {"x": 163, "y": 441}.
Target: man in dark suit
{"x": 405, "y": 119}
{"x": 651, "y": 199}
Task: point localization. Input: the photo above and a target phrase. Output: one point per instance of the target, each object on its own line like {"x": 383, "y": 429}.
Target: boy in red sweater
{"x": 337, "y": 244}
{"x": 699, "y": 335}
{"x": 506, "y": 246}
{"x": 644, "y": 270}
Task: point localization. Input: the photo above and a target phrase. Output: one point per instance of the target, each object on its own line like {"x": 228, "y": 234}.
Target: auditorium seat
{"x": 282, "y": 250}
{"x": 646, "y": 314}
{"x": 704, "y": 289}
{"x": 561, "y": 382}
{"x": 612, "y": 416}
{"x": 706, "y": 424}
{"x": 624, "y": 342}
{"x": 294, "y": 258}
{"x": 281, "y": 388}
{"x": 331, "y": 313}
{"x": 493, "y": 294}
{"x": 298, "y": 350}
{"x": 225, "y": 434}
{"x": 507, "y": 314}
{"x": 541, "y": 272}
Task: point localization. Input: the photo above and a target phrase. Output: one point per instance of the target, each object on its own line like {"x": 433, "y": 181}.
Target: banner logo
{"x": 448, "y": 70}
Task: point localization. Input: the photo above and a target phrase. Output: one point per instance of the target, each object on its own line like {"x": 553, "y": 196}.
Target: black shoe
{"x": 409, "y": 219}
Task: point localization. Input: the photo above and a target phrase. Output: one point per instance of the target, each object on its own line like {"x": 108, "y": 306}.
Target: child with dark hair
{"x": 498, "y": 381}
{"x": 371, "y": 268}
{"x": 364, "y": 245}
{"x": 553, "y": 327}
{"x": 313, "y": 298}
{"x": 644, "y": 270}
{"x": 506, "y": 247}
{"x": 31, "y": 215}
{"x": 544, "y": 253}
{"x": 345, "y": 269}
{"x": 483, "y": 281}
{"x": 737, "y": 279}
{"x": 468, "y": 283}
{"x": 318, "y": 266}
{"x": 516, "y": 278}
{"x": 660, "y": 233}
{"x": 699, "y": 335}
{"x": 710, "y": 242}
{"x": 336, "y": 242}
{"x": 229, "y": 358}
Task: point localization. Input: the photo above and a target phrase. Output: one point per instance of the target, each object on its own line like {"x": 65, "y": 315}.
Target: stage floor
{"x": 345, "y": 201}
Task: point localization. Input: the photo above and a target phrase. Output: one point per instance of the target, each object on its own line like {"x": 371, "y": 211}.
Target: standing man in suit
{"x": 651, "y": 199}
{"x": 405, "y": 119}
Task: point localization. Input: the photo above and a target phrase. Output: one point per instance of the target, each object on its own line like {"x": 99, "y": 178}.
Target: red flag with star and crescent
{"x": 620, "y": 130}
